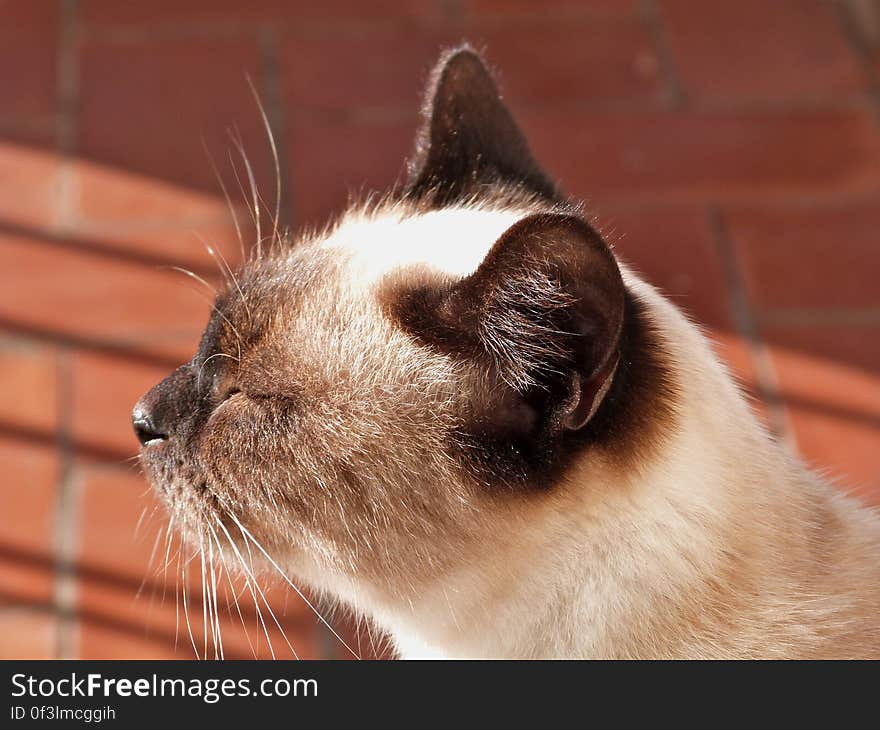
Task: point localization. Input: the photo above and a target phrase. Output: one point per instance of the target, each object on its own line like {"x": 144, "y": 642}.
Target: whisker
{"x": 207, "y": 360}
{"x": 186, "y": 272}
{"x": 260, "y": 591}
{"x": 176, "y": 607}
{"x": 205, "y": 603}
{"x": 186, "y": 611}
{"x": 268, "y": 605}
{"x": 214, "y": 591}
{"x": 274, "y": 148}
{"x": 260, "y": 238}
{"x": 169, "y": 537}
{"x": 222, "y": 316}
{"x": 140, "y": 521}
{"x": 159, "y": 536}
{"x": 214, "y": 254}
{"x": 237, "y": 141}
{"x": 241, "y": 189}
{"x": 247, "y": 535}
{"x": 229, "y": 274}
{"x": 250, "y": 587}
{"x": 228, "y": 199}
{"x": 235, "y": 596}
{"x": 168, "y": 540}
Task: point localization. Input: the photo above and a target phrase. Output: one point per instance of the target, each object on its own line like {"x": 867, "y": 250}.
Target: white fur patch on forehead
{"x": 452, "y": 240}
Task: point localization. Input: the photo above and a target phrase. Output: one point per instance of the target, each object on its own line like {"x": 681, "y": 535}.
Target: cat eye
{"x": 221, "y": 389}
{"x": 227, "y": 394}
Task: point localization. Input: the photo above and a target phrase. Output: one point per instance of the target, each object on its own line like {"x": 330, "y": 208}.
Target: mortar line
{"x": 66, "y": 512}
{"x": 675, "y": 96}
{"x": 861, "y": 49}
{"x": 745, "y": 324}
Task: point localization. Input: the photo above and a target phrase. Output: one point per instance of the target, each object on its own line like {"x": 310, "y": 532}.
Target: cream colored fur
{"x": 330, "y": 444}
{"x": 722, "y": 546}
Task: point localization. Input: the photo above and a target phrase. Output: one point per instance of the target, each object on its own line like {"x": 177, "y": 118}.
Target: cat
{"x": 455, "y": 411}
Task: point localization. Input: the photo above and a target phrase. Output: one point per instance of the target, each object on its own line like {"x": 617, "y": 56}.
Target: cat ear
{"x": 468, "y": 138}
{"x": 544, "y": 311}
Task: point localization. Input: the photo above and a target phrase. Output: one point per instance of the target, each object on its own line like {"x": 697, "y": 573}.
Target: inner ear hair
{"x": 544, "y": 311}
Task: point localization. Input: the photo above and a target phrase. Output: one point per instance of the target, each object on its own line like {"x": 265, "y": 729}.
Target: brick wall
{"x": 731, "y": 149}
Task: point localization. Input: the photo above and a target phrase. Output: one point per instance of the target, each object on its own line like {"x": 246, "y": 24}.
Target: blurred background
{"x": 730, "y": 149}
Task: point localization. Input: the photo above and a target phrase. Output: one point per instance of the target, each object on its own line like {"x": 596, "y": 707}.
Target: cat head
{"x": 377, "y": 401}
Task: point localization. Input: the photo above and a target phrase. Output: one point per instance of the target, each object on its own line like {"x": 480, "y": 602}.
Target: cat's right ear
{"x": 468, "y": 139}
{"x": 543, "y": 314}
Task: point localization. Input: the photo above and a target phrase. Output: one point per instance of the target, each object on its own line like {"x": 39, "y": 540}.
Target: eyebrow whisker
{"x": 275, "y": 160}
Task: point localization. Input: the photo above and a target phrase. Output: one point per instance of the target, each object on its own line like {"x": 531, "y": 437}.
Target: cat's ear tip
{"x": 467, "y": 138}
{"x": 464, "y": 52}
{"x": 464, "y": 58}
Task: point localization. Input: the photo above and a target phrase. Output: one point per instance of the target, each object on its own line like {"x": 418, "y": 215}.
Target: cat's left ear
{"x": 468, "y": 138}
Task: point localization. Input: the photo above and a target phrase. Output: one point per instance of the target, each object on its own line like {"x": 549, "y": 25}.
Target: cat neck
{"x": 681, "y": 556}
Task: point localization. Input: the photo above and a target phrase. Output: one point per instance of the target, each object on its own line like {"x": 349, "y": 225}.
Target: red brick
{"x": 736, "y": 353}
{"x": 110, "y": 195}
{"x": 145, "y": 108}
{"x": 674, "y": 251}
{"x": 810, "y": 257}
{"x": 117, "y": 623}
{"x": 585, "y": 61}
{"x": 106, "y": 388}
{"x": 517, "y": 10}
{"x": 706, "y": 156}
{"x": 572, "y": 62}
{"x": 759, "y": 50}
{"x": 177, "y": 243}
{"x": 27, "y": 634}
{"x": 103, "y": 14}
{"x": 29, "y": 398}
{"x": 340, "y": 70}
{"x": 328, "y": 161}
{"x": 29, "y": 178}
{"x": 830, "y": 382}
{"x": 27, "y": 502}
{"x": 29, "y": 46}
{"x": 59, "y": 289}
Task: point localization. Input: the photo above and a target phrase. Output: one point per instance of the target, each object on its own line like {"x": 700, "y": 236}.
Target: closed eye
{"x": 252, "y": 395}
{"x": 229, "y": 392}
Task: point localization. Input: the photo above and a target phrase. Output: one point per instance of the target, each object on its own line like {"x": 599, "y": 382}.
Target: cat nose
{"x": 157, "y": 415}
{"x": 145, "y": 427}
